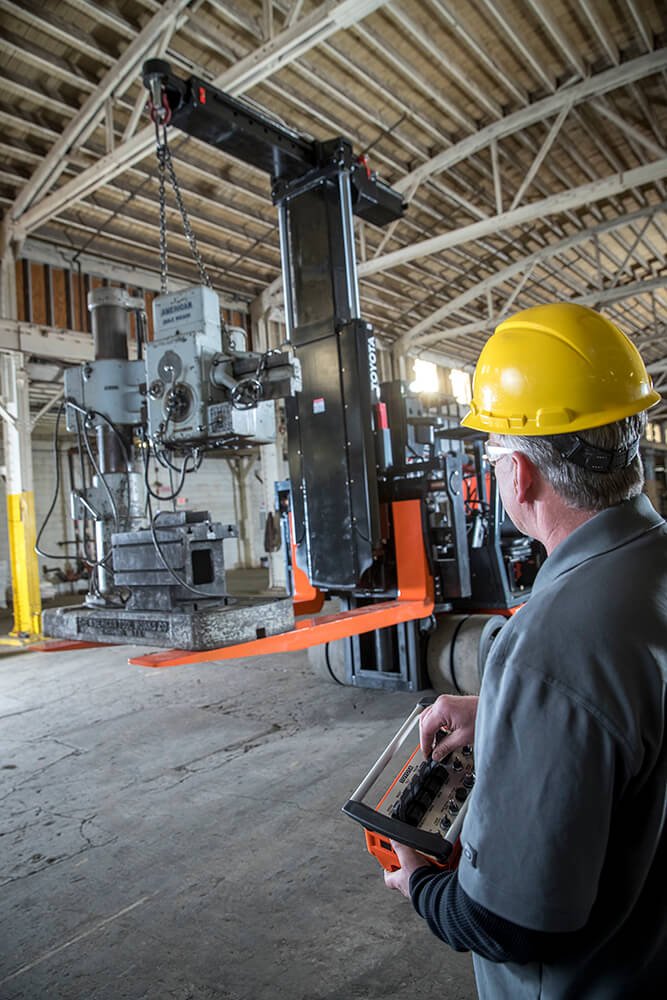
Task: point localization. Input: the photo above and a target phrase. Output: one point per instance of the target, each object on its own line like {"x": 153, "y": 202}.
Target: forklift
{"x": 401, "y": 564}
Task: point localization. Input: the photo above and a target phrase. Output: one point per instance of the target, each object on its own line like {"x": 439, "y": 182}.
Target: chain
{"x": 161, "y": 158}
{"x": 165, "y": 164}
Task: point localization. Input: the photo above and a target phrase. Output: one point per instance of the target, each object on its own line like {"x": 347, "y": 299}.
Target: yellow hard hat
{"x": 556, "y": 369}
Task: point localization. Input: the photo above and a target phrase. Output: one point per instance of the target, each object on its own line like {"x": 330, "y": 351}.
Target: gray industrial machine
{"x": 158, "y": 578}
{"x": 193, "y": 396}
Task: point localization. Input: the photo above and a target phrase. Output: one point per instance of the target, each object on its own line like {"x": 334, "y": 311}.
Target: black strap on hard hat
{"x": 593, "y": 458}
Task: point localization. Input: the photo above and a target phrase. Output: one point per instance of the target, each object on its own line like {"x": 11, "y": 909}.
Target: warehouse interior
{"x": 178, "y": 832}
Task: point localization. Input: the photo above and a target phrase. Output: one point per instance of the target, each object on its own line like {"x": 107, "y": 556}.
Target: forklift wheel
{"x": 328, "y": 661}
{"x": 458, "y": 649}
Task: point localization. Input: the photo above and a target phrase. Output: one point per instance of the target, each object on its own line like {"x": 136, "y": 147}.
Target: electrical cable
{"x": 104, "y": 561}
{"x": 81, "y": 461}
{"x": 170, "y": 473}
{"x": 193, "y": 455}
{"x": 56, "y": 455}
{"x": 327, "y": 661}
{"x": 160, "y": 457}
{"x": 85, "y": 541}
{"x": 166, "y": 462}
{"x": 149, "y": 490}
{"x": 106, "y": 556}
{"x": 89, "y": 414}
{"x": 152, "y": 519}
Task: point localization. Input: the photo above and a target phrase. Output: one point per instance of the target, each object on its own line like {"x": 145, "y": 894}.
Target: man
{"x": 560, "y": 891}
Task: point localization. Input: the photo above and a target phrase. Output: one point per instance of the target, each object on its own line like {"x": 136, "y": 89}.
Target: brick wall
{"x": 213, "y": 488}
{"x": 59, "y": 527}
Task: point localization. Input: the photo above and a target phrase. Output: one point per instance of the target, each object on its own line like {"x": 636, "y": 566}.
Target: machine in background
{"x": 389, "y": 513}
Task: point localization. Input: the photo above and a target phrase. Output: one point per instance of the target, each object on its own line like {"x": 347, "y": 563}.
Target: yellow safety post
{"x": 15, "y": 411}
{"x": 16, "y": 432}
{"x": 24, "y": 565}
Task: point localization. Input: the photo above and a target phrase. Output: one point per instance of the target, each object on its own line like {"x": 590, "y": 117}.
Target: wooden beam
{"x": 330, "y": 17}
{"x": 601, "y": 83}
{"x": 82, "y": 124}
{"x": 521, "y": 266}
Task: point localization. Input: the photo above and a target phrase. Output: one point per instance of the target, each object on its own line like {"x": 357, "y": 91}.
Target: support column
{"x": 18, "y": 471}
{"x": 399, "y": 364}
{"x": 240, "y": 467}
{"x": 273, "y": 466}
{"x": 21, "y": 522}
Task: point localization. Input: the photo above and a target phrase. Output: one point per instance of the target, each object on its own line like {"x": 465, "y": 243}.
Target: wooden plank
{"x": 78, "y": 299}
{"x": 149, "y": 314}
{"x": 20, "y": 291}
{"x": 37, "y": 303}
{"x": 58, "y": 280}
{"x": 69, "y": 298}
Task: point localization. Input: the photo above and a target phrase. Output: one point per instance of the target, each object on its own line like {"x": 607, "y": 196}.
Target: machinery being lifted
{"x": 389, "y": 508}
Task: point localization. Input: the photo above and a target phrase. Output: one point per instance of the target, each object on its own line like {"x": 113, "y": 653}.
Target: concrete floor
{"x": 177, "y": 834}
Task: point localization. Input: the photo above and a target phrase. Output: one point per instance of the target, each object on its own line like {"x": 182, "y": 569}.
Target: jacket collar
{"x": 610, "y": 529}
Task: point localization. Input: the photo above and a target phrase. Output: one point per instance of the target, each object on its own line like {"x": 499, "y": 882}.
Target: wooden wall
{"x": 52, "y": 296}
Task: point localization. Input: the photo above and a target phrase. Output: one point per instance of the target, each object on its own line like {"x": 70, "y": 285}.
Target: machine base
{"x": 209, "y": 628}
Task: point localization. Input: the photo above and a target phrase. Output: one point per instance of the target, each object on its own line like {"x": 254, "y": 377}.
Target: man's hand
{"x": 410, "y": 861}
{"x": 453, "y": 713}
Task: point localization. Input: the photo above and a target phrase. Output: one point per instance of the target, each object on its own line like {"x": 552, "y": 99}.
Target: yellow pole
{"x": 15, "y": 399}
{"x": 25, "y": 570}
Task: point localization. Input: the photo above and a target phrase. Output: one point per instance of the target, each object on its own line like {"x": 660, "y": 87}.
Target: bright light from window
{"x": 654, "y": 433}
{"x": 426, "y": 377}
{"x": 461, "y": 386}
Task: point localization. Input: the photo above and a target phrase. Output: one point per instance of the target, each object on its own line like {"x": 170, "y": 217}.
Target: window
{"x": 461, "y": 386}
{"x": 426, "y": 377}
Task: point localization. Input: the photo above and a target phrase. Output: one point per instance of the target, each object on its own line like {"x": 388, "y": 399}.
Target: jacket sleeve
{"x": 466, "y": 926}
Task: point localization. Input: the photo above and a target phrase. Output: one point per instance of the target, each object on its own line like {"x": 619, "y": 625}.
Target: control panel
{"x": 423, "y": 804}
{"x": 429, "y": 794}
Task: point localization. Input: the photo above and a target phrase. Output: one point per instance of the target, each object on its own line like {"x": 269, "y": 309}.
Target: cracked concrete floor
{"x": 177, "y": 834}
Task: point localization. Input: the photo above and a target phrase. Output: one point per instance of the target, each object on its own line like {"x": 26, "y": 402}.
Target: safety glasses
{"x": 492, "y": 452}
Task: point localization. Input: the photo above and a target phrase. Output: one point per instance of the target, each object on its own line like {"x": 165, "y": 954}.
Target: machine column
{"x": 109, "y": 314}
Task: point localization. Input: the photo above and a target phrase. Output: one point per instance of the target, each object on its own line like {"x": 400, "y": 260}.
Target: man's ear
{"x": 526, "y": 478}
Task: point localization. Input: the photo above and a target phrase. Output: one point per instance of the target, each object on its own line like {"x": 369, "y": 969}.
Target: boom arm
{"x": 248, "y": 133}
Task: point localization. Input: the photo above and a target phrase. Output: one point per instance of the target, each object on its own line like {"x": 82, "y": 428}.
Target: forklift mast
{"x": 318, "y": 188}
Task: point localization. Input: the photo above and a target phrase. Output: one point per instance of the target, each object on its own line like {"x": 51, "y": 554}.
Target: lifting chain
{"x": 249, "y": 391}
{"x": 166, "y": 166}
